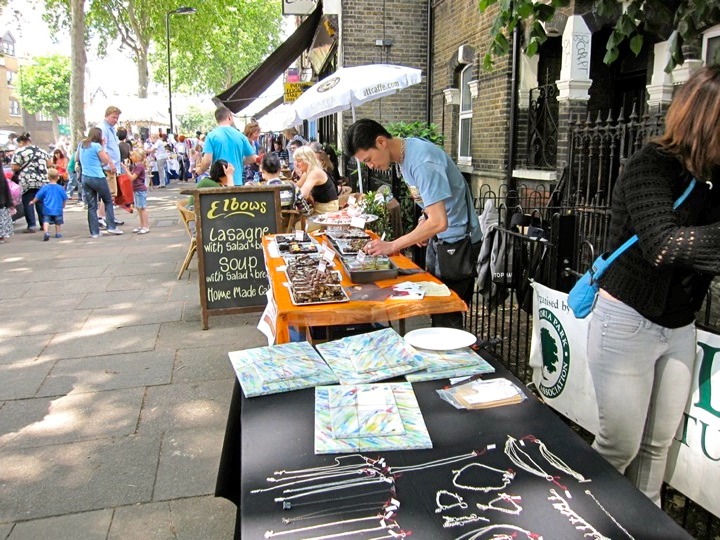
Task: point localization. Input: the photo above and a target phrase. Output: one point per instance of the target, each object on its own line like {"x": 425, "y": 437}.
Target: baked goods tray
{"x": 349, "y": 234}
{"x": 358, "y": 275}
{"x": 335, "y": 286}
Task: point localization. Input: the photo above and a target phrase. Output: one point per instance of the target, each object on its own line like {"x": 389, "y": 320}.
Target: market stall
{"x": 515, "y": 471}
{"x": 373, "y": 302}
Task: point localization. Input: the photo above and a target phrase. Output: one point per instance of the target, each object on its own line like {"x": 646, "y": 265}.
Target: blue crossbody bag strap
{"x": 630, "y": 241}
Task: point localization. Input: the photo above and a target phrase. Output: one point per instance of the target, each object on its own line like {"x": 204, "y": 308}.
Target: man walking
{"x": 112, "y": 148}
{"x": 228, "y": 143}
{"x": 439, "y": 188}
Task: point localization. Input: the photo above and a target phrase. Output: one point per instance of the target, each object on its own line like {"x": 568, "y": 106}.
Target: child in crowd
{"x": 53, "y": 197}
{"x": 137, "y": 174}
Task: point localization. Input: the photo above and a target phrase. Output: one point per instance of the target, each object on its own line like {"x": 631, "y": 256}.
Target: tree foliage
{"x": 210, "y": 49}
{"x": 195, "y": 119}
{"x": 45, "y": 86}
{"x": 218, "y": 45}
{"x": 678, "y": 21}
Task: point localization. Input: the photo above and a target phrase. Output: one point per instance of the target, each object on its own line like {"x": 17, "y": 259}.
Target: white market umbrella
{"x": 279, "y": 118}
{"x": 351, "y": 87}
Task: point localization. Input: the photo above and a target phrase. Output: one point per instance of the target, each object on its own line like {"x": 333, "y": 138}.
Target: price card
{"x": 352, "y": 201}
{"x": 358, "y": 221}
{"x": 322, "y": 267}
{"x": 299, "y": 235}
{"x": 328, "y": 253}
{"x": 353, "y": 211}
{"x": 361, "y": 256}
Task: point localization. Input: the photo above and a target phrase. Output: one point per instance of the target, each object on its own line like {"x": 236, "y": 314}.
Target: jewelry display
{"x": 514, "y": 452}
{"x": 630, "y": 536}
{"x": 314, "y": 478}
{"x": 562, "y": 506}
{"x": 512, "y": 499}
{"x": 338, "y": 466}
{"x": 383, "y": 526}
{"x": 335, "y": 488}
{"x": 477, "y": 533}
{"x": 339, "y": 510}
{"x": 555, "y": 461}
{"x": 507, "y": 477}
{"x": 459, "y": 501}
{"x": 347, "y": 482}
{"x": 287, "y": 505}
{"x": 273, "y": 534}
{"x": 461, "y": 521}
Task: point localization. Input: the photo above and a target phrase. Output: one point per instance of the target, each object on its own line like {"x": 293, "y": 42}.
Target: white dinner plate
{"x": 440, "y": 339}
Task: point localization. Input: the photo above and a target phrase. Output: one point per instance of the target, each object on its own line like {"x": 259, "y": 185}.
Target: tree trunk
{"x": 143, "y": 75}
{"x": 56, "y": 127}
{"x": 78, "y": 59}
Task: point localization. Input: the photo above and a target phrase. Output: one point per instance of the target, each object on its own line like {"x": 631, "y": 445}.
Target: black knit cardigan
{"x": 666, "y": 274}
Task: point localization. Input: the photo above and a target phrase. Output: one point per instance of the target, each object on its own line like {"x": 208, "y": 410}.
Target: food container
{"x": 370, "y": 270}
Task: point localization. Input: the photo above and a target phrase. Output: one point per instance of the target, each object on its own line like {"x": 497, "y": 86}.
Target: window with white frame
{"x": 10, "y": 75}
{"x": 42, "y": 117}
{"x": 711, "y": 46}
{"x": 465, "y": 135}
{"x": 8, "y": 48}
{"x": 14, "y": 107}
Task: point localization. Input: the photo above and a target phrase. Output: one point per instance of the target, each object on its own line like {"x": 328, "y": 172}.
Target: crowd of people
{"x": 112, "y": 168}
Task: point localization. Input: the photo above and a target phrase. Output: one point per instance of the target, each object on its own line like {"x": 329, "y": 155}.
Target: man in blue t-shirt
{"x": 228, "y": 143}
{"x": 437, "y": 186}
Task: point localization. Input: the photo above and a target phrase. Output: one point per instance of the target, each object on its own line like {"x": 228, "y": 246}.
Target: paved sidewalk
{"x": 113, "y": 400}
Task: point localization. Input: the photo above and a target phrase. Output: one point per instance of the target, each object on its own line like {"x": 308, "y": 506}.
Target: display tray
{"x": 365, "y": 274}
{"x": 305, "y": 259}
{"x": 339, "y": 220}
{"x": 350, "y": 246}
{"x": 341, "y": 296}
{"x": 347, "y": 234}
{"x": 288, "y": 238}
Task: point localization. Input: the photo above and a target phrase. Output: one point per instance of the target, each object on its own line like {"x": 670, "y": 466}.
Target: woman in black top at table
{"x": 315, "y": 181}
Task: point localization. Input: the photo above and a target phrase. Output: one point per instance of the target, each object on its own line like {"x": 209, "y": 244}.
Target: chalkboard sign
{"x": 230, "y": 225}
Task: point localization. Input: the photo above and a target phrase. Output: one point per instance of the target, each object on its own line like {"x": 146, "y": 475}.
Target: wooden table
{"x": 355, "y": 311}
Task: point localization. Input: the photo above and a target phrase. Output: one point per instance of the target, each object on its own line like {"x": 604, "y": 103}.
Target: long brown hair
{"x": 692, "y": 127}
{"x": 94, "y": 135}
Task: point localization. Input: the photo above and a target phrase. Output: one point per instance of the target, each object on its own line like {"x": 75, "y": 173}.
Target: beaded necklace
{"x": 577, "y": 521}
{"x": 459, "y": 501}
{"x": 504, "y": 497}
{"x": 507, "y": 477}
{"x": 630, "y": 536}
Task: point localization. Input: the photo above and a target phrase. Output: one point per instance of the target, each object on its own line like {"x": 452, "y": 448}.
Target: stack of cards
{"x": 371, "y": 357}
{"x": 368, "y": 417}
{"x": 280, "y": 368}
{"x": 462, "y": 362}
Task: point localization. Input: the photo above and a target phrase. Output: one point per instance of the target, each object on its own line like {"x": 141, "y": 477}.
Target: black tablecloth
{"x": 269, "y": 433}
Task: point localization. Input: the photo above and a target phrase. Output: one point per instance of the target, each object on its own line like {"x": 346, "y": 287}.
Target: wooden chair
{"x": 187, "y": 216}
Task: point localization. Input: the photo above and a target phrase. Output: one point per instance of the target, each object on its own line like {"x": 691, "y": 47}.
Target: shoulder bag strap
{"x": 630, "y": 241}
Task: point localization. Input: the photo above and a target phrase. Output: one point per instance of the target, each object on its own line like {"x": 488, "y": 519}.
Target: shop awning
{"x": 269, "y": 107}
{"x": 247, "y": 89}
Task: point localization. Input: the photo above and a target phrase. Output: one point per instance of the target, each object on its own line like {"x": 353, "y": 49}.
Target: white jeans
{"x": 642, "y": 374}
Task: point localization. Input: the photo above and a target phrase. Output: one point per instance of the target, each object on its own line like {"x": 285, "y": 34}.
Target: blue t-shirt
{"x": 432, "y": 176}
{"x": 226, "y": 142}
{"x": 90, "y": 161}
{"x": 52, "y": 197}
{"x": 112, "y": 146}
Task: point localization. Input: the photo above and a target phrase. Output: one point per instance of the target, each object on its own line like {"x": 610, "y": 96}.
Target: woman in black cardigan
{"x": 642, "y": 342}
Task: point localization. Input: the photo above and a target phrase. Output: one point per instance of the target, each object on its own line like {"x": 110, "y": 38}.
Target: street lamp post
{"x": 184, "y": 10}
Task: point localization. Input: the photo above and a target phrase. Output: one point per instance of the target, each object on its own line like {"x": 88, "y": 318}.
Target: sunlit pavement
{"x": 113, "y": 400}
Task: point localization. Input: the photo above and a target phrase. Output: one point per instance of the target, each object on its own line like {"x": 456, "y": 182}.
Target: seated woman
{"x": 221, "y": 175}
{"x": 315, "y": 182}
{"x": 290, "y": 196}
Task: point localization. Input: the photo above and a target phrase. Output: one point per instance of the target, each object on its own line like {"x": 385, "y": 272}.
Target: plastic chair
{"x": 188, "y": 217}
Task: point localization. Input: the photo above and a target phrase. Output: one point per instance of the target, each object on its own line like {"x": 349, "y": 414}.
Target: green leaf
{"x": 524, "y": 9}
{"x": 484, "y": 4}
{"x": 611, "y": 55}
{"x": 532, "y": 48}
{"x": 636, "y": 44}
{"x": 544, "y": 12}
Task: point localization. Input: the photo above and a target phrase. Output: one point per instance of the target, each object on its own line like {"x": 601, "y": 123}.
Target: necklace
{"x": 311, "y": 479}
{"x": 462, "y": 520}
{"x": 507, "y": 477}
{"x": 459, "y": 501}
{"x": 630, "y": 536}
{"x": 555, "y": 461}
{"x": 514, "y": 452}
{"x": 512, "y": 499}
{"x": 562, "y": 506}
{"x": 334, "y": 488}
{"x": 436, "y": 463}
{"x": 272, "y": 534}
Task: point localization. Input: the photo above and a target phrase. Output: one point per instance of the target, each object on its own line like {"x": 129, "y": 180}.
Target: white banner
{"x": 558, "y": 356}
